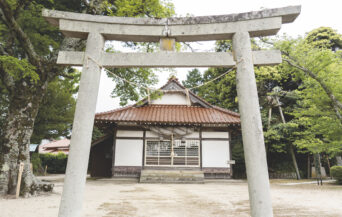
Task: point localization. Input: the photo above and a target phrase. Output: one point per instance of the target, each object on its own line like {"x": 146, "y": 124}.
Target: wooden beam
{"x": 167, "y": 59}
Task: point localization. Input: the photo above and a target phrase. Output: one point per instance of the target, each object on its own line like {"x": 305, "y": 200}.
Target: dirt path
{"x": 105, "y": 198}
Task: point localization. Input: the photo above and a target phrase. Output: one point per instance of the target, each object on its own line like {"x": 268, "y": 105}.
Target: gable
{"x": 171, "y": 99}
{"x": 174, "y": 86}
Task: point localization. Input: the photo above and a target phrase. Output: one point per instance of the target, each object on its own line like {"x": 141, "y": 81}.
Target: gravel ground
{"x": 105, "y": 198}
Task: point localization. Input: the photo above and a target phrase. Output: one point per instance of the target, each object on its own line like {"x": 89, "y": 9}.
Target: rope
{"x": 130, "y": 82}
{"x": 229, "y": 70}
{"x": 153, "y": 89}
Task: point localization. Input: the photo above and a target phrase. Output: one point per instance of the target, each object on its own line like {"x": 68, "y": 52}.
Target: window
{"x": 164, "y": 153}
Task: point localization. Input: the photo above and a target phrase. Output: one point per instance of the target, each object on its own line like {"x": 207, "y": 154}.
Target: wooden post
{"x": 172, "y": 151}
{"x": 309, "y": 167}
{"x": 21, "y": 168}
{"x": 45, "y": 171}
{"x": 269, "y": 118}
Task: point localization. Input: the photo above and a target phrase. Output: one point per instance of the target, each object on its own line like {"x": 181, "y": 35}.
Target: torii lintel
{"x": 203, "y": 28}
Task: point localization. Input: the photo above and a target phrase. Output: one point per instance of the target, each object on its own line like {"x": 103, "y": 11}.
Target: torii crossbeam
{"x": 238, "y": 27}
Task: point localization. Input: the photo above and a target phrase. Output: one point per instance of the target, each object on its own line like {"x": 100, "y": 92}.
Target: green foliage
{"x": 193, "y": 79}
{"x": 129, "y": 92}
{"x": 56, "y": 163}
{"x": 18, "y": 69}
{"x": 44, "y": 37}
{"x": 311, "y": 121}
{"x": 56, "y": 114}
{"x": 37, "y": 164}
{"x": 97, "y": 133}
{"x": 138, "y": 8}
{"x": 221, "y": 92}
{"x": 336, "y": 172}
{"x": 279, "y": 136}
{"x": 324, "y": 37}
{"x": 320, "y": 130}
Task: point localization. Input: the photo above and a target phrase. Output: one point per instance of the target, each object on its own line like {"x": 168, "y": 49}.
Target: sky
{"x": 314, "y": 14}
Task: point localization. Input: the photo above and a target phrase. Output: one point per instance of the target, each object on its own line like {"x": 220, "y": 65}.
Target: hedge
{"x": 336, "y": 172}
{"x": 56, "y": 163}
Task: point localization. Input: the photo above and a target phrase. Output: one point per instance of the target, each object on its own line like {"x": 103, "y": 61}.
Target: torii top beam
{"x": 257, "y": 23}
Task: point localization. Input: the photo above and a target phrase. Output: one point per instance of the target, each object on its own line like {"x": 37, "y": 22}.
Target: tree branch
{"x": 19, "y": 34}
{"x": 264, "y": 40}
{"x": 335, "y": 102}
{"x": 189, "y": 46}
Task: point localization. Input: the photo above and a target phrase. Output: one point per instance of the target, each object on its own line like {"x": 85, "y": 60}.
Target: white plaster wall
{"x": 171, "y": 99}
{"x": 222, "y": 135}
{"x": 151, "y": 134}
{"x": 129, "y": 133}
{"x": 194, "y": 135}
{"x": 215, "y": 154}
{"x": 128, "y": 152}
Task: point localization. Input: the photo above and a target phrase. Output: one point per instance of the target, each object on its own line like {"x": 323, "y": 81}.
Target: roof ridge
{"x": 179, "y": 105}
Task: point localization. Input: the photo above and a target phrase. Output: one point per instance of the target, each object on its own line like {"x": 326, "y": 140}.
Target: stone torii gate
{"x": 238, "y": 27}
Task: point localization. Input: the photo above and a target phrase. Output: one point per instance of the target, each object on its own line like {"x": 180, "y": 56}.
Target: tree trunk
{"x": 293, "y": 156}
{"x": 309, "y": 167}
{"x": 317, "y": 160}
{"x": 14, "y": 147}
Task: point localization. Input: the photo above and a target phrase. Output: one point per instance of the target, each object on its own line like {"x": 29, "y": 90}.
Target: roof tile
{"x": 170, "y": 114}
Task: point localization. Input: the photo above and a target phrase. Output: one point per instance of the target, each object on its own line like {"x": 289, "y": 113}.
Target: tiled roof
{"x": 63, "y": 143}
{"x": 181, "y": 114}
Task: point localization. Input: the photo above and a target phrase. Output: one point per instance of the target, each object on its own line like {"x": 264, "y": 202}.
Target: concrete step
{"x": 171, "y": 176}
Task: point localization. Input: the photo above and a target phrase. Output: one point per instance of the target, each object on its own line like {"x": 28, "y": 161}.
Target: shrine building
{"x": 178, "y": 132}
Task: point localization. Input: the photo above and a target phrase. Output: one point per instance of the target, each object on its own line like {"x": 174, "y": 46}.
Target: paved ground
{"x": 105, "y": 198}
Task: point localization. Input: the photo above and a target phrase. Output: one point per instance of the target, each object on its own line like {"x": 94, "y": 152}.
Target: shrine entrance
{"x": 172, "y": 153}
{"x": 236, "y": 27}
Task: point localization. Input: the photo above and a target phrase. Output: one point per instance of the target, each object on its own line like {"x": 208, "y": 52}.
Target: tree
{"x": 324, "y": 37}
{"x": 320, "y": 94}
{"x": 28, "y": 49}
{"x": 317, "y": 63}
{"x": 193, "y": 79}
{"x": 56, "y": 113}
{"x": 280, "y": 136}
{"x": 274, "y": 101}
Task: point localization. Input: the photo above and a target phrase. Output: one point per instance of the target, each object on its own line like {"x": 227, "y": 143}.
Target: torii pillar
{"x": 238, "y": 27}
{"x": 252, "y": 131}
